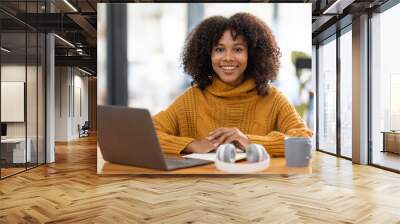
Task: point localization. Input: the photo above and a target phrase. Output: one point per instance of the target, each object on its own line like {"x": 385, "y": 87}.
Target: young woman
{"x": 232, "y": 62}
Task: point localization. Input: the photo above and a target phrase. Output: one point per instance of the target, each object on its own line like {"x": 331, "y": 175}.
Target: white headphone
{"x": 256, "y": 155}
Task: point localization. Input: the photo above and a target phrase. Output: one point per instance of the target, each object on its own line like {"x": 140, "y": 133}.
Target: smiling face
{"x": 229, "y": 58}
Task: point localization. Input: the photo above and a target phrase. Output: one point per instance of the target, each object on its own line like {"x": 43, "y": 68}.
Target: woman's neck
{"x": 236, "y": 83}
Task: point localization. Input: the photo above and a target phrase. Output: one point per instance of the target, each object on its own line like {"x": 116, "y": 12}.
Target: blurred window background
{"x": 156, "y": 34}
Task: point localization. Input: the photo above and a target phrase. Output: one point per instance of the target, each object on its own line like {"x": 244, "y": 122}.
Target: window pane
{"x": 14, "y": 152}
{"x": 346, "y": 94}
{"x": 31, "y": 96}
{"x": 386, "y": 89}
{"x": 327, "y": 97}
{"x": 41, "y": 98}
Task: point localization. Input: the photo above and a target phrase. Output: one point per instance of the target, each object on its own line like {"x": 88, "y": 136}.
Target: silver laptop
{"x": 127, "y": 136}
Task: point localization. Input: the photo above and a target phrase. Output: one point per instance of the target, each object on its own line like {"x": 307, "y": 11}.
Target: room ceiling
{"x": 327, "y": 13}
{"x": 77, "y": 23}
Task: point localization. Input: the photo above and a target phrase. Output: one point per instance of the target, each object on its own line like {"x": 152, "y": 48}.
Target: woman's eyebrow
{"x": 235, "y": 44}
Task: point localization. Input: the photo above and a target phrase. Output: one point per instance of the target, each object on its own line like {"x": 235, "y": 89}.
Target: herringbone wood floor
{"x": 69, "y": 191}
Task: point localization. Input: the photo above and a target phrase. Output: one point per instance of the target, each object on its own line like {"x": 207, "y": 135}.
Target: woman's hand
{"x": 200, "y": 146}
{"x": 229, "y": 135}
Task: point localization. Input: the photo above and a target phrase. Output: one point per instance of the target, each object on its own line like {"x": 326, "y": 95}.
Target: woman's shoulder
{"x": 191, "y": 91}
{"x": 188, "y": 94}
{"x": 274, "y": 94}
{"x": 273, "y": 91}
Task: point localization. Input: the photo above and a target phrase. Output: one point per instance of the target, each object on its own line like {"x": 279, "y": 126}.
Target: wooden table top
{"x": 277, "y": 166}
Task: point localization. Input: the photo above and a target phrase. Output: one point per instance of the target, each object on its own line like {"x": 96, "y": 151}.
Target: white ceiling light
{"x": 84, "y": 71}
{"x": 337, "y": 7}
{"x": 70, "y": 5}
{"x": 65, "y": 41}
{"x": 5, "y": 50}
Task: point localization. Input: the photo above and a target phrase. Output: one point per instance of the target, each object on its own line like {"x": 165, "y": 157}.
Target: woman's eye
{"x": 219, "y": 49}
{"x": 238, "y": 50}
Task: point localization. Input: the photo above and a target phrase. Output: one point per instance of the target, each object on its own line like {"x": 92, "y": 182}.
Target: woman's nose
{"x": 229, "y": 55}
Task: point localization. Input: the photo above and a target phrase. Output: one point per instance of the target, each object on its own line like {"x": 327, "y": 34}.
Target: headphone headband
{"x": 242, "y": 168}
{"x": 257, "y": 157}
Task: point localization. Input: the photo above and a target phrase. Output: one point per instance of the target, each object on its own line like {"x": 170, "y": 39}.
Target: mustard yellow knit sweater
{"x": 264, "y": 119}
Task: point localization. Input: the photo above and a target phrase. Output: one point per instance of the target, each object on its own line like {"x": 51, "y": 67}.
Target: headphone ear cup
{"x": 226, "y": 153}
{"x": 256, "y": 153}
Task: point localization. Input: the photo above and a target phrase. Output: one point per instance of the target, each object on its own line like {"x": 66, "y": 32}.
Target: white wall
{"x": 71, "y": 102}
{"x": 62, "y": 81}
{"x": 12, "y": 73}
{"x": 33, "y": 127}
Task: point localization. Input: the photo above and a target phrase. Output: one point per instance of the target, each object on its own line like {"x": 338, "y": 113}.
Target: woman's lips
{"x": 229, "y": 68}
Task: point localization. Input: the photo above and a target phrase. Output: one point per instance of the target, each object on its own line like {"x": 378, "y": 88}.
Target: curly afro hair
{"x": 263, "y": 52}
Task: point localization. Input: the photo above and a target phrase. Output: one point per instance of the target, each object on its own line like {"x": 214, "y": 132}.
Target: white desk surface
{"x": 13, "y": 140}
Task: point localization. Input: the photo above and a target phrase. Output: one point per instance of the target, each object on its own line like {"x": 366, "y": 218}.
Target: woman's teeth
{"x": 228, "y": 67}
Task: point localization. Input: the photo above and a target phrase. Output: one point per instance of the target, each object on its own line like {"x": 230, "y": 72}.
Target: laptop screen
{"x": 3, "y": 129}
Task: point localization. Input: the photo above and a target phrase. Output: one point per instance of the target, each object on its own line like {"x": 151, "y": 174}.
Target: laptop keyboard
{"x": 174, "y": 163}
{"x": 180, "y": 161}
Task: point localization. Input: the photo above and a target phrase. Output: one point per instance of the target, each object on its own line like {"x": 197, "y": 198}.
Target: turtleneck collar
{"x": 221, "y": 89}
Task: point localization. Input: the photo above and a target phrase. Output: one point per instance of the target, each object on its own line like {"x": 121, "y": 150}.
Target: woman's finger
{"x": 217, "y": 133}
{"x": 232, "y": 138}
{"x": 226, "y": 135}
{"x": 212, "y": 132}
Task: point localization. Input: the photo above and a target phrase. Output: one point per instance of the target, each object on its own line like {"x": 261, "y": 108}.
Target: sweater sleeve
{"x": 288, "y": 123}
{"x": 167, "y": 128}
